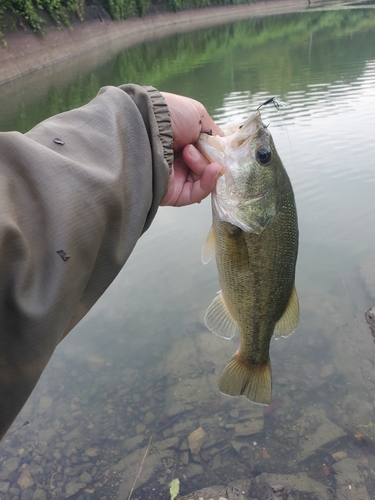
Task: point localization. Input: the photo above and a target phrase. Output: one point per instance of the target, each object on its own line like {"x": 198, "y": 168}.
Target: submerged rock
{"x": 196, "y": 440}
{"x": 73, "y": 487}
{"x": 350, "y": 481}
{"x": 40, "y": 494}
{"x": 242, "y": 489}
{"x": 339, "y": 455}
{"x": 316, "y": 430}
{"x": 93, "y": 451}
{"x": 148, "y": 418}
{"x": 4, "y": 487}
{"x": 45, "y": 403}
{"x": 25, "y": 480}
{"x": 8, "y": 467}
{"x": 299, "y": 482}
{"x": 211, "y": 493}
{"x": 95, "y": 363}
{"x": 326, "y": 370}
{"x": 134, "y": 442}
{"x": 193, "y": 470}
{"x": 240, "y": 445}
{"x": 249, "y": 427}
{"x": 358, "y": 408}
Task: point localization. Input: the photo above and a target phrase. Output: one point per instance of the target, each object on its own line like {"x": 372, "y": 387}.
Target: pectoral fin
{"x": 219, "y": 320}
{"x": 289, "y": 320}
{"x": 208, "y": 250}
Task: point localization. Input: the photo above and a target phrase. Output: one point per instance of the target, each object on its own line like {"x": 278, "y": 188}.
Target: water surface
{"x": 142, "y": 364}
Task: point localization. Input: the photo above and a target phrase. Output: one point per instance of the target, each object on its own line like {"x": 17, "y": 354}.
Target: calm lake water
{"x": 142, "y": 365}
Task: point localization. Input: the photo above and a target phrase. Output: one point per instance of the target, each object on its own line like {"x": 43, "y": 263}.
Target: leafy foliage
{"x": 33, "y": 11}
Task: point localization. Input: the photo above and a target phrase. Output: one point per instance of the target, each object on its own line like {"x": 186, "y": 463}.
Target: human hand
{"x": 193, "y": 177}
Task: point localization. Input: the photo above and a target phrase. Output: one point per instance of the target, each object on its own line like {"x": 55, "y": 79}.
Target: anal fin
{"x": 288, "y": 322}
{"x": 219, "y": 320}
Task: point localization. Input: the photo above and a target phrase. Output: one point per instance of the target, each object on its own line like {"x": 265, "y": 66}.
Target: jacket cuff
{"x": 163, "y": 121}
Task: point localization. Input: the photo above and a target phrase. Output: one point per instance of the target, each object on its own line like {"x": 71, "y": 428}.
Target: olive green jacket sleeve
{"x": 77, "y": 192}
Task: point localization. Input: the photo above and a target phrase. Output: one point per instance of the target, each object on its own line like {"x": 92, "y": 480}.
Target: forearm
{"x": 71, "y": 212}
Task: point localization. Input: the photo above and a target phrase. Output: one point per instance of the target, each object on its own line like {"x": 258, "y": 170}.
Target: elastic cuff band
{"x": 164, "y": 123}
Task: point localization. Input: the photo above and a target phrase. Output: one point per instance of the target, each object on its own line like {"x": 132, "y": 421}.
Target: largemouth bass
{"x": 255, "y": 238}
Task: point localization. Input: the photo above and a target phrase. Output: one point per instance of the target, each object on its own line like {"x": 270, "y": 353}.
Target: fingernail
{"x": 194, "y": 153}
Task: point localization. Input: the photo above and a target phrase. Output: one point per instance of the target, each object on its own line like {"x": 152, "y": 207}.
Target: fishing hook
{"x": 276, "y": 102}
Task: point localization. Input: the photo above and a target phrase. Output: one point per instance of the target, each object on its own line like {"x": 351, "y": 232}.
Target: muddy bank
{"x": 27, "y": 52}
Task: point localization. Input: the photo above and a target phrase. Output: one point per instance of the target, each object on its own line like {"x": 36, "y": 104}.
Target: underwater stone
{"x": 140, "y": 428}
{"x": 95, "y": 364}
{"x": 184, "y": 457}
{"x": 196, "y": 440}
{"x": 350, "y": 481}
{"x": 72, "y": 488}
{"x": 277, "y": 487}
{"x": 182, "y": 361}
{"x": 236, "y": 490}
{"x": 339, "y": 455}
{"x": 194, "y": 470}
{"x": 178, "y": 407}
{"x": 171, "y": 442}
{"x": 360, "y": 410}
{"x": 45, "y": 403}
{"x": 134, "y": 442}
{"x": 182, "y": 428}
{"x": 27, "y": 494}
{"x": 9, "y": 466}
{"x": 300, "y": 482}
{"x": 40, "y": 494}
{"x": 4, "y": 487}
{"x": 326, "y": 371}
{"x": 319, "y": 429}
{"x": 74, "y": 434}
{"x": 85, "y": 478}
{"x": 148, "y": 418}
{"x": 239, "y": 445}
{"x": 92, "y": 451}
{"x": 25, "y": 480}
{"x": 46, "y": 434}
{"x": 249, "y": 427}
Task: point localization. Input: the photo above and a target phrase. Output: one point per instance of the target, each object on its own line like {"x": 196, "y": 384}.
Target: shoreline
{"x": 29, "y": 52}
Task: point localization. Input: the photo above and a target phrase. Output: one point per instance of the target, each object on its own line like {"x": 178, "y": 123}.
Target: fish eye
{"x": 263, "y": 155}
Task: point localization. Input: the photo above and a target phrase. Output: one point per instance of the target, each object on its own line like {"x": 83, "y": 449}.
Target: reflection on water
{"x": 142, "y": 364}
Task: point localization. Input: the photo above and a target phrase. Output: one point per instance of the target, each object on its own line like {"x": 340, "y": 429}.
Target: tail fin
{"x": 240, "y": 378}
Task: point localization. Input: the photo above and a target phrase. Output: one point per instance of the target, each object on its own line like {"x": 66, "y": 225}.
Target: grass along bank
{"x": 37, "y": 14}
